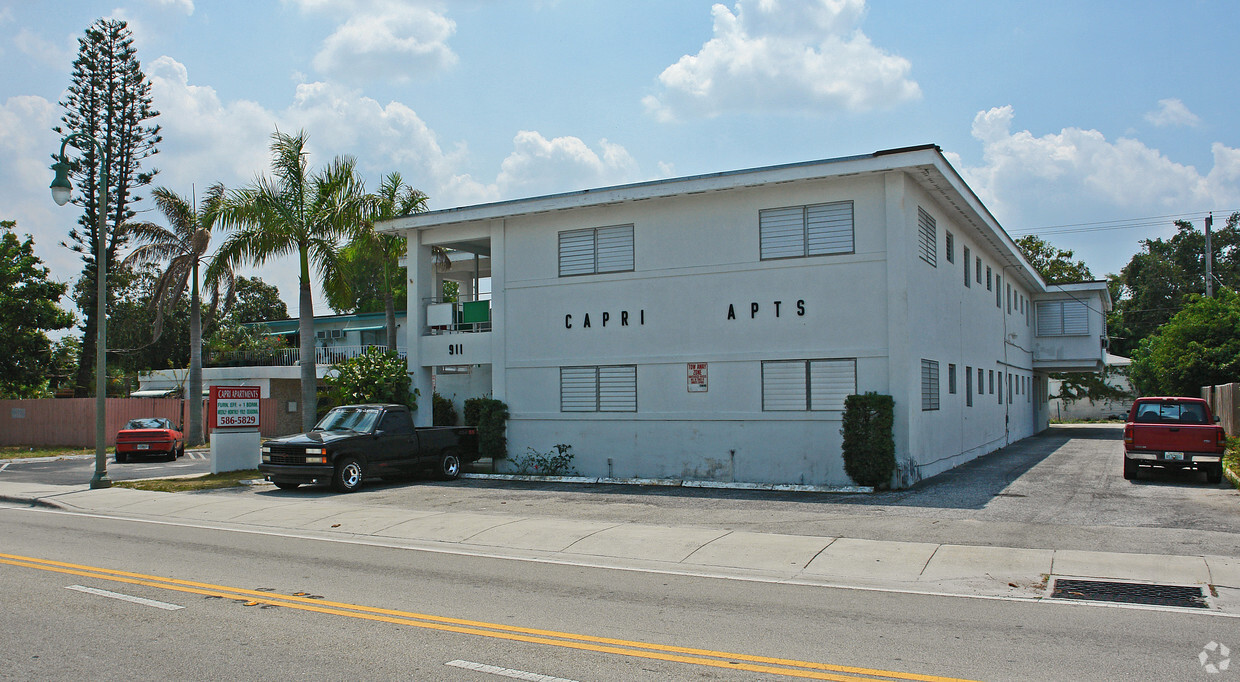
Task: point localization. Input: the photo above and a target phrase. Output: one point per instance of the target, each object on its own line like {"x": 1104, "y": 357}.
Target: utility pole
{"x": 1209, "y": 258}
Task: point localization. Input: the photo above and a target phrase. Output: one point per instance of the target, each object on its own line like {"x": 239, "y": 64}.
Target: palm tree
{"x": 183, "y": 246}
{"x": 295, "y": 212}
{"x": 394, "y": 199}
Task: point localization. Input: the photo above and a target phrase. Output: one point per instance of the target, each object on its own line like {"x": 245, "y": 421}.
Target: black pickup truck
{"x": 355, "y": 442}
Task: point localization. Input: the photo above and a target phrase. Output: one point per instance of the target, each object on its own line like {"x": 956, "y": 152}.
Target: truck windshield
{"x": 348, "y": 419}
{"x": 1171, "y": 413}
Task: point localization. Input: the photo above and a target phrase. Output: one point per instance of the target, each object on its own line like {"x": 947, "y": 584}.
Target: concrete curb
{"x": 1231, "y": 477}
{"x": 673, "y": 483}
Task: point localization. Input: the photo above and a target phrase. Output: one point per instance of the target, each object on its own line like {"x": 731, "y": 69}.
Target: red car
{"x": 149, "y": 436}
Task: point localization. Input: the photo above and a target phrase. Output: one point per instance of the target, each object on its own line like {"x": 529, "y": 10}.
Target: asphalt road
{"x": 75, "y": 470}
{"x": 274, "y": 607}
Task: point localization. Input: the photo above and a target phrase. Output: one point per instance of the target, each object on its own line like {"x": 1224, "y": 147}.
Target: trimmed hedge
{"x": 491, "y": 418}
{"x": 869, "y": 443}
{"x": 443, "y": 411}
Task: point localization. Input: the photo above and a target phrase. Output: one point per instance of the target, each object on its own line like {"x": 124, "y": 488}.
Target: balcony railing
{"x": 287, "y": 357}
{"x": 457, "y": 317}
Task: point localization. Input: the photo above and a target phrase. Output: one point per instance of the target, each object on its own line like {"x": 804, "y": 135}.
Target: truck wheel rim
{"x": 352, "y": 474}
{"x": 450, "y": 465}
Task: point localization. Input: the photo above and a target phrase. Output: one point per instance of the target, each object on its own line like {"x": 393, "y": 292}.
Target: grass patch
{"x": 1231, "y": 459}
{"x": 229, "y": 479}
{"x": 21, "y": 451}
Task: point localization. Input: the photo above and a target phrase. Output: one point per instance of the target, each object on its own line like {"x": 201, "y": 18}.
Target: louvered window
{"x": 949, "y": 247}
{"x": 799, "y": 231}
{"x": 967, "y": 276}
{"x": 1063, "y": 318}
{"x": 595, "y": 250}
{"x": 609, "y": 388}
{"x": 927, "y": 237}
{"x": 813, "y": 385}
{"x": 929, "y": 385}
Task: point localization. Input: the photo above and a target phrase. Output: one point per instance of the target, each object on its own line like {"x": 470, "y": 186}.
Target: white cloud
{"x": 541, "y": 166}
{"x": 1172, "y": 112}
{"x": 27, "y": 144}
{"x": 1022, "y": 171}
{"x": 784, "y": 55}
{"x": 391, "y": 40}
{"x": 45, "y": 51}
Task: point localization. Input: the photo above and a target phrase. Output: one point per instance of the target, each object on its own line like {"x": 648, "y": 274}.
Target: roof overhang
{"x": 925, "y": 164}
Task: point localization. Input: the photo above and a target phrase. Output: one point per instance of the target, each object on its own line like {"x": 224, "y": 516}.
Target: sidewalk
{"x": 1007, "y": 572}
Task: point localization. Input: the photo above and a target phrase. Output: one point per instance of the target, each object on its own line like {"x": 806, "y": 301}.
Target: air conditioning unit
{"x": 320, "y": 334}
{"x": 337, "y": 333}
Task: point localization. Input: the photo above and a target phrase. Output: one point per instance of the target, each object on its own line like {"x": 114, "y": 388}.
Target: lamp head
{"x": 62, "y": 189}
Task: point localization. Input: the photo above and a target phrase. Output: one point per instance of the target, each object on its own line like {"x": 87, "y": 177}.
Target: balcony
{"x": 288, "y": 357}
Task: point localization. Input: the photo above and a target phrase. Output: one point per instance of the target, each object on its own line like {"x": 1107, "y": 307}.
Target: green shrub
{"x": 491, "y": 418}
{"x": 554, "y": 463}
{"x": 376, "y": 376}
{"x": 444, "y": 412}
{"x": 869, "y": 443}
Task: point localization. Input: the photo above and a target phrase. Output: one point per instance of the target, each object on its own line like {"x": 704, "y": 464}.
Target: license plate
{"x": 144, "y": 446}
{"x": 1174, "y": 456}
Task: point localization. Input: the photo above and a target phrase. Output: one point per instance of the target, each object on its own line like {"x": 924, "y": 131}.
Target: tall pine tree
{"x": 110, "y": 100}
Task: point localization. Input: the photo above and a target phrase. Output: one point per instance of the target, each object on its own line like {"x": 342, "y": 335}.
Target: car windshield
{"x": 151, "y": 423}
{"x": 348, "y": 419}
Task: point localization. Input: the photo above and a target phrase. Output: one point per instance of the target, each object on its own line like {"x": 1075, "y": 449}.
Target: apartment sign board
{"x": 235, "y": 405}
{"x": 697, "y": 377}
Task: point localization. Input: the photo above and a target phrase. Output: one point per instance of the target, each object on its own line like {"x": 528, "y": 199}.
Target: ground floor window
{"x": 801, "y": 385}
{"x": 600, "y": 388}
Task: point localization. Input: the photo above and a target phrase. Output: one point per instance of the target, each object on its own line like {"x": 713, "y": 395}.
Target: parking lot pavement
{"x": 1062, "y": 489}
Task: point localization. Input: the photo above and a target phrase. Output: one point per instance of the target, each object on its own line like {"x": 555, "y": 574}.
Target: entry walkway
{"x": 957, "y": 569}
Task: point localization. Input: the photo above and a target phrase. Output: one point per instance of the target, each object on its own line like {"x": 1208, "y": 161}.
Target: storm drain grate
{"x": 1130, "y": 593}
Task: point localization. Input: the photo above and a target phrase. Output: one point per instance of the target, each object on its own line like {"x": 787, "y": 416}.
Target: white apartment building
{"x": 710, "y": 327}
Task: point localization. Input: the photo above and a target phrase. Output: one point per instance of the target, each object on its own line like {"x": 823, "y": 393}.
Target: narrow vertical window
{"x": 978, "y": 261}
{"x": 949, "y": 243}
{"x": 998, "y": 292}
{"x": 968, "y": 386}
{"x": 927, "y": 237}
{"x": 987, "y": 278}
{"x": 951, "y": 379}
{"x": 968, "y": 278}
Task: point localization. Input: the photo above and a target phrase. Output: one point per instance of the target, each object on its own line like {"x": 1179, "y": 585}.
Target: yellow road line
{"x": 704, "y": 657}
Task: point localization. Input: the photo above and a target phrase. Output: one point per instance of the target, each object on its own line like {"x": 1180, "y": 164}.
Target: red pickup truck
{"x": 1179, "y": 433}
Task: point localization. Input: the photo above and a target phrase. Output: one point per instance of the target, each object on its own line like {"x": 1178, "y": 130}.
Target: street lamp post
{"x": 62, "y": 190}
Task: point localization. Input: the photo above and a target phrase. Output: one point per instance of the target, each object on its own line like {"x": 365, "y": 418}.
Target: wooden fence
{"x": 71, "y": 421}
{"x": 1223, "y": 403}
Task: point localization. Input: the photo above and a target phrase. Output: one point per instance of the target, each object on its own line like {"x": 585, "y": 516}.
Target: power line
{"x": 1119, "y": 224}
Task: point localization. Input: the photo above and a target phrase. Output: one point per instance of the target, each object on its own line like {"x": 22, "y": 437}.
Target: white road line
{"x": 125, "y": 597}
{"x": 506, "y": 672}
{"x": 5, "y": 466}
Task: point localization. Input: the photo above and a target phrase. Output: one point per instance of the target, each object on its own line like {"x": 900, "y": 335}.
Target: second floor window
{"x": 800, "y": 231}
{"x": 596, "y": 250}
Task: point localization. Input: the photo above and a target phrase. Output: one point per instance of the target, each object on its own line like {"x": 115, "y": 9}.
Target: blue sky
{"x": 1059, "y": 113}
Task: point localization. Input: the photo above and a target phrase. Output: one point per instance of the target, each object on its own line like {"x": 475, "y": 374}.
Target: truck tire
{"x": 1214, "y": 474}
{"x": 348, "y": 475}
{"x": 449, "y": 465}
{"x": 1130, "y": 469}
{"x": 122, "y": 457}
